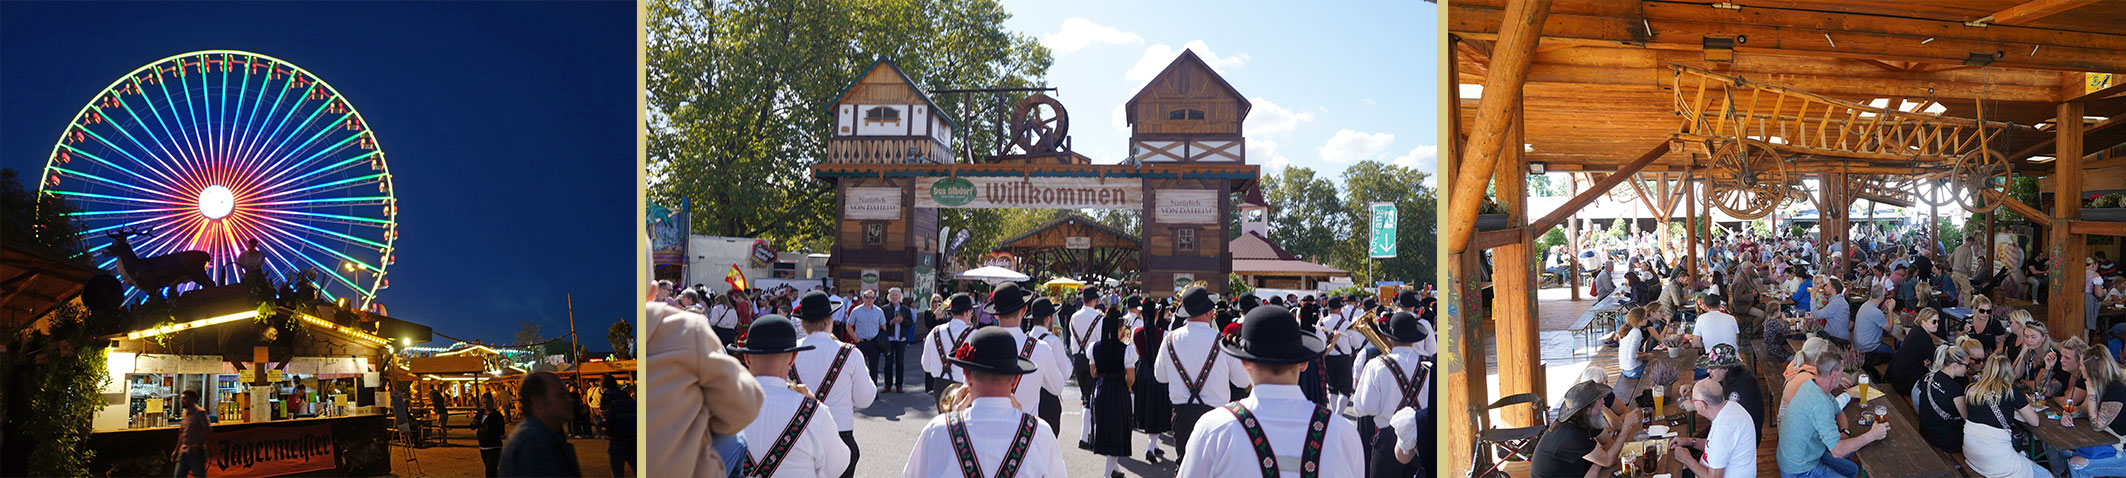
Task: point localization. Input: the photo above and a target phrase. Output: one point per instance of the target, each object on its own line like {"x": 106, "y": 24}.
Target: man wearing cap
{"x": 945, "y": 338}
{"x": 792, "y": 436}
{"x": 835, "y": 372}
{"x": 1394, "y": 381}
{"x": 1276, "y": 428}
{"x": 985, "y": 435}
{"x": 1039, "y": 313}
{"x": 1008, "y": 304}
{"x": 1198, "y": 377}
{"x": 1584, "y": 441}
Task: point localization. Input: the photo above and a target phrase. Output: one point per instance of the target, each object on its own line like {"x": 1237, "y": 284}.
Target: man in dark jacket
{"x": 488, "y": 423}
{"x": 538, "y": 448}
{"x": 899, "y": 331}
{"x": 619, "y": 418}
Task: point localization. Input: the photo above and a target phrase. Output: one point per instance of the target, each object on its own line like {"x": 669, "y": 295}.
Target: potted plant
{"x": 1675, "y": 345}
{"x": 2104, "y": 207}
{"x": 1490, "y": 216}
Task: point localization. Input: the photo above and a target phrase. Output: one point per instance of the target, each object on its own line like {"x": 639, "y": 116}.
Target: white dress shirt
{"x": 851, "y": 391}
{"x": 1341, "y": 339}
{"x": 1192, "y": 342}
{"x": 819, "y": 451}
{"x": 1221, "y": 448}
{"x": 1379, "y": 395}
{"x": 1055, "y": 342}
{"x": 1084, "y": 330}
{"x": 991, "y": 424}
{"x": 1046, "y": 376}
{"x": 944, "y": 333}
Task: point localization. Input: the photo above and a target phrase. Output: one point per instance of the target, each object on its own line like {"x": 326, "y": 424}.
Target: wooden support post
{"x": 1461, "y": 354}
{"x": 1510, "y": 59}
{"x": 1513, "y": 284}
{"x": 1690, "y": 227}
{"x": 1986, "y": 265}
{"x": 1572, "y": 238}
{"x": 2063, "y": 308}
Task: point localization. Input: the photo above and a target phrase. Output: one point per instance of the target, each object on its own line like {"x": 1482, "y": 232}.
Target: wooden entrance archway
{"x": 1077, "y": 247}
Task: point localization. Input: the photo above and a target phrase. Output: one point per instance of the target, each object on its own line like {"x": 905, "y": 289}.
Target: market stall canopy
{"x": 450, "y": 365}
{"x": 1064, "y": 282}
{"x": 993, "y": 273}
{"x": 602, "y": 367}
{"x": 32, "y": 283}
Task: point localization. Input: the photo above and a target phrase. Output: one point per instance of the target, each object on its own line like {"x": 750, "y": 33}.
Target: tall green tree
{"x": 1307, "y": 217}
{"x": 1368, "y": 182}
{"x": 738, "y": 95}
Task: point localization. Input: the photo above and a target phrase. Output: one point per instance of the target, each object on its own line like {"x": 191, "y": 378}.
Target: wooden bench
{"x": 1602, "y": 317}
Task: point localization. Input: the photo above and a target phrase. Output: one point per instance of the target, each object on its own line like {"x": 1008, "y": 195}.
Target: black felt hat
{"x": 1402, "y": 327}
{"x": 1406, "y": 299}
{"x": 769, "y": 334}
{"x": 959, "y": 302}
{"x": 991, "y": 350}
{"x": 1040, "y": 308}
{"x": 1133, "y": 302}
{"x": 1270, "y": 334}
{"x": 814, "y": 306}
{"x": 1089, "y": 293}
{"x": 1196, "y": 301}
{"x": 1248, "y": 302}
{"x": 1005, "y": 299}
{"x": 1336, "y": 302}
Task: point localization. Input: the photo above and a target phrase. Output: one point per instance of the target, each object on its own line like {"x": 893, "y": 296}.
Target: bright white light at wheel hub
{"x": 216, "y": 201}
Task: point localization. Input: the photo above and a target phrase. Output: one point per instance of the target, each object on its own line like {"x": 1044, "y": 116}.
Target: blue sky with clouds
{"x": 1332, "y": 83}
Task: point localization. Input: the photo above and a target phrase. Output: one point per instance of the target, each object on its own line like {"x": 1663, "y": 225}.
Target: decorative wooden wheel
{"x": 1977, "y": 172}
{"x": 1748, "y": 179}
{"x": 1039, "y": 124}
{"x": 1936, "y": 191}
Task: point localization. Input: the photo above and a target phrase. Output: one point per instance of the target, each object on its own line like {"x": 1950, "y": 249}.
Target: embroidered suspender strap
{"x": 773, "y": 458}
{"x": 1020, "y": 443}
{"x": 1026, "y": 351}
{"x": 1317, "y": 432}
{"x": 962, "y": 446}
{"x": 1309, "y": 458}
{"x": 834, "y": 371}
{"x": 939, "y": 344}
{"x": 1085, "y": 341}
{"x": 1402, "y": 382}
{"x": 1203, "y": 376}
{"x": 1336, "y": 335}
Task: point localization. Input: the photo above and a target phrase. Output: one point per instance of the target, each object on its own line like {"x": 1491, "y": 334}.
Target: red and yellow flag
{"x": 736, "y": 278}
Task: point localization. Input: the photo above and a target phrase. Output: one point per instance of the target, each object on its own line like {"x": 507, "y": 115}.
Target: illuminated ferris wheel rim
{"x": 205, "y": 203}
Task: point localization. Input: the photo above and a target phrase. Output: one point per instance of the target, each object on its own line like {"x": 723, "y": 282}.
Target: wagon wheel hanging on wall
{"x": 1039, "y": 124}
{"x": 1937, "y": 190}
{"x": 1748, "y": 179}
{"x": 1977, "y": 172}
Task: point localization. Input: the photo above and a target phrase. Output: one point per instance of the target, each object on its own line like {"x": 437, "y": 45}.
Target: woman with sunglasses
{"x": 1909, "y": 364}
{"x": 1983, "y": 326}
{"x": 1941, "y": 399}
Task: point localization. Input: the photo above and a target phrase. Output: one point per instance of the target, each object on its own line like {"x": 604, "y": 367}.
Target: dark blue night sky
{"x": 510, "y": 129}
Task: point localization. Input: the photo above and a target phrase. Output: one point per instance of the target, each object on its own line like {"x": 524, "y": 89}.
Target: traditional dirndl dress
{"x": 1155, "y": 410}
{"x": 1111, "y": 399}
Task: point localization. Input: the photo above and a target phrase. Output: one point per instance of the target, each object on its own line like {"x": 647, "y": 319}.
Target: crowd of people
{"x": 1890, "y": 308}
{"x": 1223, "y": 386}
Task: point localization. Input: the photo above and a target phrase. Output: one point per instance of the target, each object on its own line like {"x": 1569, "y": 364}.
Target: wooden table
{"x": 1904, "y": 453}
{"x": 2083, "y": 435}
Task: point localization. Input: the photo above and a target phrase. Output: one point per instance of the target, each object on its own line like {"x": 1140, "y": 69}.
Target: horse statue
{"x": 157, "y": 273}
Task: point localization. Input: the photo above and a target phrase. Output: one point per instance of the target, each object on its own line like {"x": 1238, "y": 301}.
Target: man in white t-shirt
{"x": 1715, "y": 325}
{"x": 1730, "y": 446}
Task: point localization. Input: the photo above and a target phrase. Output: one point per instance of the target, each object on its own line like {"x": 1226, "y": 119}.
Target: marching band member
{"x": 1084, "y": 329}
{"x": 1040, "y": 313}
{"x": 1008, "y": 304}
{"x": 945, "y": 338}
{"x": 792, "y": 436}
{"x": 1397, "y": 380}
{"x": 1198, "y": 377}
{"x": 836, "y": 372}
{"x": 1114, "y": 362}
{"x": 1276, "y": 430}
{"x": 1344, "y": 345}
{"x": 985, "y": 435}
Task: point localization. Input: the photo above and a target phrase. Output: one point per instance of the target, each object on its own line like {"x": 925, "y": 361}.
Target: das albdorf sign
{"x": 1020, "y": 193}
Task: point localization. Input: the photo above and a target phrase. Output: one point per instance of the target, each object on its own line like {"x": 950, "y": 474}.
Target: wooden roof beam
{"x": 1598, "y": 190}
{"x": 1682, "y": 26}
{"x": 2032, "y": 11}
{"x": 1523, "y": 22}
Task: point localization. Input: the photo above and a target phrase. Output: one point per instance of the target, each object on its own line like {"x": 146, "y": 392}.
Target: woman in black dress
{"x": 1114, "y": 366}
{"x": 1154, "y": 412}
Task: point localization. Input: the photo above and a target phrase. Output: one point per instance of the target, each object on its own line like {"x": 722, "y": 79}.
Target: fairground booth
{"x": 2003, "y": 116}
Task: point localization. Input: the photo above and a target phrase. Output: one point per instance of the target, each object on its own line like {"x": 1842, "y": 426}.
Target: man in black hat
{"x": 835, "y": 371}
{"x": 1344, "y": 343}
{"x": 1198, "y": 377}
{"x": 1008, "y": 304}
{"x": 943, "y": 340}
{"x": 1394, "y": 381}
{"x": 795, "y": 436}
{"x": 1039, "y": 313}
{"x": 984, "y": 427}
{"x": 1084, "y": 330}
{"x": 1276, "y": 426}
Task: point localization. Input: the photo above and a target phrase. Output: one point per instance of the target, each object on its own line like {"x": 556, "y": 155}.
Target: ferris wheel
{"x": 212, "y": 150}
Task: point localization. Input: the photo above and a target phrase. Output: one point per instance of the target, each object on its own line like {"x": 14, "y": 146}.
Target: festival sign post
{"x": 1382, "y": 244}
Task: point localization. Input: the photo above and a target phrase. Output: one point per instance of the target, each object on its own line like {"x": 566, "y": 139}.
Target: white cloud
{"x": 1368, "y": 101}
{"x": 1264, "y": 152}
{"x": 1078, "y": 33}
{"x": 1351, "y": 146}
{"x": 1157, "y": 57}
{"x": 1120, "y": 119}
{"x": 1267, "y": 118}
{"x": 1425, "y": 159}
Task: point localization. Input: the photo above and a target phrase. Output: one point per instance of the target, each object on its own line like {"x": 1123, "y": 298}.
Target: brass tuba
{"x": 1364, "y": 326}
{"x": 952, "y": 394}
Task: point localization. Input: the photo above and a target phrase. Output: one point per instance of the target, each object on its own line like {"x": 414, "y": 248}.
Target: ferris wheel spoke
{"x": 168, "y": 139}
{"x": 113, "y": 182}
{"x": 331, "y": 270}
{"x": 334, "y": 218}
{"x": 349, "y": 239}
{"x": 253, "y": 153}
{"x": 319, "y": 247}
{"x": 191, "y": 117}
{"x": 126, "y": 214}
{"x": 109, "y": 199}
{"x": 157, "y": 168}
{"x": 306, "y": 160}
{"x": 343, "y": 165}
{"x": 182, "y": 137}
{"x": 326, "y": 187}
{"x": 264, "y": 154}
{"x": 105, "y": 162}
{"x": 280, "y": 150}
{"x": 329, "y": 202}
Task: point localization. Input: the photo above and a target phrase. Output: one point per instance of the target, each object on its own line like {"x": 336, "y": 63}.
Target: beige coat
{"x": 694, "y": 390}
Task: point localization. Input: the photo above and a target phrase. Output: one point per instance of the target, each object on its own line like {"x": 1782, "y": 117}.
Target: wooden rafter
{"x": 2032, "y": 11}
{"x": 1522, "y": 24}
{"x": 1599, "y": 189}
